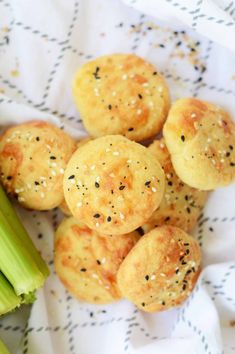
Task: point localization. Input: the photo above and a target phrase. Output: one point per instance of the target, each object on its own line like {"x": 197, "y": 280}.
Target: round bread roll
{"x": 33, "y": 157}
{"x": 181, "y": 204}
{"x": 83, "y": 269}
{"x": 161, "y": 269}
{"x": 113, "y": 185}
{"x": 201, "y": 140}
{"x": 64, "y": 206}
{"x": 121, "y": 94}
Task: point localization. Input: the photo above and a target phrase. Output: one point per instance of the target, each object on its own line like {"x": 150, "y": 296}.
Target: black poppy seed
{"x": 186, "y": 244}
{"x": 186, "y": 197}
{"x": 121, "y": 188}
{"x": 181, "y": 258}
{"x": 178, "y": 44}
{"x": 147, "y": 277}
{"x": 147, "y": 183}
{"x": 188, "y": 271}
{"x": 83, "y": 270}
{"x": 52, "y": 157}
{"x": 187, "y": 251}
{"x": 98, "y": 261}
{"x": 145, "y": 168}
{"x": 9, "y": 178}
{"x": 167, "y": 218}
{"x": 91, "y": 314}
{"x": 193, "y": 269}
{"x": 183, "y": 263}
{"x": 71, "y": 177}
{"x": 163, "y": 303}
{"x": 188, "y": 210}
{"x": 36, "y": 183}
{"x": 97, "y": 185}
{"x": 109, "y": 218}
{"x": 177, "y": 271}
{"x": 143, "y": 304}
{"x": 161, "y": 46}
{"x": 39, "y": 236}
{"x": 227, "y": 154}
{"x": 182, "y": 137}
{"x": 230, "y": 147}
{"x": 232, "y": 164}
{"x": 130, "y": 129}
{"x": 111, "y": 191}
{"x": 211, "y": 229}
{"x": 37, "y": 138}
{"x": 184, "y": 287}
{"x": 140, "y": 96}
{"x": 140, "y": 231}
{"x": 110, "y": 106}
{"x": 170, "y": 183}
{"x": 96, "y": 215}
{"x": 96, "y": 73}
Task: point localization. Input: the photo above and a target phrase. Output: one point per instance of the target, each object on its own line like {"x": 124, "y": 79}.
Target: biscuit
{"x": 33, "y": 157}
{"x": 200, "y": 137}
{"x": 85, "y": 273}
{"x": 63, "y": 206}
{"x": 181, "y": 205}
{"x": 113, "y": 185}
{"x": 161, "y": 269}
{"x": 121, "y": 94}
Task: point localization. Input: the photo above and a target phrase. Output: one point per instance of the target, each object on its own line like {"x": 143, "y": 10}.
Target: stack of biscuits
{"x": 129, "y": 205}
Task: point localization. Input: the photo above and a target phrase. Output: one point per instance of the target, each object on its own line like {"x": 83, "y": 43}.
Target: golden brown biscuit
{"x": 110, "y": 251}
{"x": 161, "y": 269}
{"x": 121, "y": 94}
{"x": 181, "y": 204}
{"x": 201, "y": 140}
{"x": 84, "y": 263}
{"x": 64, "y": 206}
{"x": 33, "y": 157}
{"x": 113, "y": 184}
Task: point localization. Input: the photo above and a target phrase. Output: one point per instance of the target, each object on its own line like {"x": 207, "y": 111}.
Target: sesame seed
{"x": 124, "y": 77}
{"x": 115, "y": 153}
{"x": 151, "y": 104}
{"x": 162, "y": 145}
{"x": 122, "y": 216}
{"x": 114, "y": 93}
{"x": 213, "y": 161}
{"x": 103, "y": 260}
{"x": 162, "y": 274}
{"x": 97, "y": 224}
{"x": 222, "y": 160}
{"x": 54, "y": 164}
{"x": 112, "y": 175}
{"x": 145, "y": 84}
{"x": 153, "y": 277}
{"x": 154, "y": 190}
{"x": 129, "y": 161}
{"x": 193, "y": 115}
{"x": 107, "y": 150}
{"x": 62, "y": 171}
{"x": 160, "y": 89}
{"x": 133, "y": 102}
{"x": 107, "y": 287}
{"x": 79, "y": 204}
{"x": 95, "y": 276}
{"x": 209, "y": 140}
{"x": 29, "y": 186}
{"x": 139, "y": 111}
{"x": 21, "y": 199}
{"x": 42, "y": 195}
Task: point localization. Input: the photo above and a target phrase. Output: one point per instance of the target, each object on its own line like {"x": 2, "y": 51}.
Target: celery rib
{"x": 16, "y": 263}
{"x": 3, "y": 348}
{"x": 16, "y": 225}
{"x": 8, "y": 299}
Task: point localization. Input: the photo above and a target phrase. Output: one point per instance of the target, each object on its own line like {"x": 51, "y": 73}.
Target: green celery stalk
{"x": 16, "y": 262}
{"x": 8, "y": 299}
{"x": 16, "y": 225}
{"x": 3, "y": 348}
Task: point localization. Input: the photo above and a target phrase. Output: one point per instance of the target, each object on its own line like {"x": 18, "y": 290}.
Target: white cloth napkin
{"x": 212, "y": 18}
{"x": 42, "y": 43}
